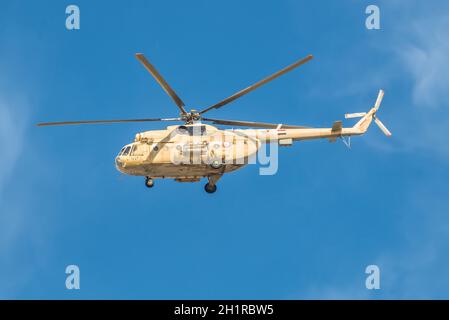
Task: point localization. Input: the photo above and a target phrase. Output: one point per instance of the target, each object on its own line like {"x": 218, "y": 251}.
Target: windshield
{"x": 126, "y": 151}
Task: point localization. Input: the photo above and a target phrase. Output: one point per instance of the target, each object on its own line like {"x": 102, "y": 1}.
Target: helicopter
{"x": 195, "y": 149}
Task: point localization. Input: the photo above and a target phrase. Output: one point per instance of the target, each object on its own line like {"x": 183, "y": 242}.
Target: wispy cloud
{"x": 421, "y": 45}
{"x": 13, "y": 216}
{"x": 22, "y": 240}
{"x": 420, "y": 40}
{"x": 426, "y": 59}
{"x": 11, "y": 137}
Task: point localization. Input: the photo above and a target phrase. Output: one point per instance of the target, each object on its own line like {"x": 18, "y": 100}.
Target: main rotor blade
{"x": 258, "y": 84}
{"x": 382, "y": 127}
{"x": 253, "y": 124}
{"x": 63, "y": 123}
{"x": 161, "y": 81}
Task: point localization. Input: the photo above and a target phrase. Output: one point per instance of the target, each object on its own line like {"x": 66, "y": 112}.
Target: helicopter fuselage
{"x": 190, "y": 152}
{"x": 186, "y": 153}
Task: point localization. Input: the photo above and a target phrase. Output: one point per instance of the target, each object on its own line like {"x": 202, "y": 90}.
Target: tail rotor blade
{"x": 379, "y": 99}
{"x": 382, "y": 127}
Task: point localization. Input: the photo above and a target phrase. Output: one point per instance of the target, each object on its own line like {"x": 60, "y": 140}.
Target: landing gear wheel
{"x": 210, "y": 188}
{"x": 149, "y": 183}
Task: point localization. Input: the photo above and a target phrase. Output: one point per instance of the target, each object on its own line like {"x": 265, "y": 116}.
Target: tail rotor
{"x": 371, "y": 115}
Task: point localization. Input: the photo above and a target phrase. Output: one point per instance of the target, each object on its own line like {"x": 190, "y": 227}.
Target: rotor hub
{"x": 191, "y": 117}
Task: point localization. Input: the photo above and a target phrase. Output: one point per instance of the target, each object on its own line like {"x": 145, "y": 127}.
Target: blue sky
{"x": 307, "y": 232}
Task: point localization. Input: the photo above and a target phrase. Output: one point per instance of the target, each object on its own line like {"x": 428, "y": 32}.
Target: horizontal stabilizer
{"x": 354, "y": 115}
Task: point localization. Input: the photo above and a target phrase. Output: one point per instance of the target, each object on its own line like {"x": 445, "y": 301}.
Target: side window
{"x": 125, "y": 153}
{"x": 182, "y": 130}
{"x": 133, "y": 150}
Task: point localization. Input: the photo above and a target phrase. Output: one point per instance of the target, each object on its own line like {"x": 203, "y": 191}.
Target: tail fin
{"x": 367, "y": 117}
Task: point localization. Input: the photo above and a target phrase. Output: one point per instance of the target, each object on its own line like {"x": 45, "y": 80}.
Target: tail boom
{"x": 337, "y": 131}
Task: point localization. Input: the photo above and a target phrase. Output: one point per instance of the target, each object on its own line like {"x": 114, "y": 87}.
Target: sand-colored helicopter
{"x": 196, "y": 150}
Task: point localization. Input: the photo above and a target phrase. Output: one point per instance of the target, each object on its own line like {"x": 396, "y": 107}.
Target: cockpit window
{"x": 125, "y": 153}
{"x": 192, "y": 130}
{"x": 121, "y": 151}
{"x": 134, "y": 148}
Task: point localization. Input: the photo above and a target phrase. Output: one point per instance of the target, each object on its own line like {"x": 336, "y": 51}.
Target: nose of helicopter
{"x": 120, "y": 164}
{"x": 120, "y": 160}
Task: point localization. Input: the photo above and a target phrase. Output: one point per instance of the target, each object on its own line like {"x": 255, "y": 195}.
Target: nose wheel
{"x": 210, "y": 188}
{"x": 149, "y": 183}
{"x": 211, "y": 185}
